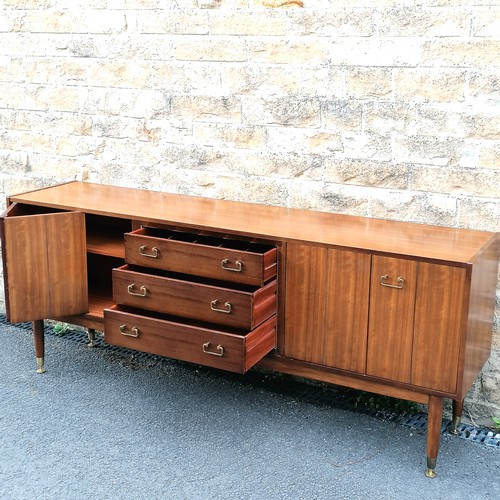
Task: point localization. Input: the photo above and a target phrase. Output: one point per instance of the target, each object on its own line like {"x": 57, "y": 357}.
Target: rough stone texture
{"x": 381, "y": 108}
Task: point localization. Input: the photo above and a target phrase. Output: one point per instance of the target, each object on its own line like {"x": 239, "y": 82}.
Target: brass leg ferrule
{"x": 39, "y": 365}
{"x": 431, "y": 465}
{"x": 455, "y": 422}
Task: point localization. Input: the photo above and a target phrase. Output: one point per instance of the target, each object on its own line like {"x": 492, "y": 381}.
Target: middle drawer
{"x": 241, "y": 306}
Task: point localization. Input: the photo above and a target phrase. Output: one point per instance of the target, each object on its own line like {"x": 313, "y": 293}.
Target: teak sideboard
{"x": 399, "y": 309}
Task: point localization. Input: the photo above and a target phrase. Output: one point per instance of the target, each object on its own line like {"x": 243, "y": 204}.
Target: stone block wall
{"x": 380, "y": 108}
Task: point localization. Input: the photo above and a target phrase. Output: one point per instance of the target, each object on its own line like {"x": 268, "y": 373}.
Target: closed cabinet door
{"x": 45, "y": 266}
{"x": 326, "y": 306}
{"x": 392, "y": 309}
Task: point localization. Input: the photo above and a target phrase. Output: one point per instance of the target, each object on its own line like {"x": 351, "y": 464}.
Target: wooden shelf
{"x": 103, "y": 242}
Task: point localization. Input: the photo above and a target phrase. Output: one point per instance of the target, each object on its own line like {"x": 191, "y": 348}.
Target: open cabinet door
{"x": 45, "y": 264}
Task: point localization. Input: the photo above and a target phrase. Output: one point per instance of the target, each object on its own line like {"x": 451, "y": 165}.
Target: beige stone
{"x": 211, "y": 49}
{"x": 366, "y": 173}
{"x": 247, "y": 23}
{"x": 288, "y": 51}
{"x": 426, "y": 208}
{"x": 477, "y": 53}
{"x": 277, "y": 4}
{"x": 386, "y": 117}
{"x": 63, "y": 99}
{"x": 333, "y": 22}
{"x": 321, "y": 80}
{"x": 230, "y": 135}
{"x": 207, "y": 108}
{"x": 490, "y": 155}
{"x": 341, "y": 115}
{"x": 486, "y": 22}
{"x": 429, "y": 84}
{"x": 411, "y": 21}
{"x": 368, "y": 83}
{"x": 264, "y": 80}
{"x": 482, "y": 214}
{"x": 471, "y": 182}
{"x": 289, "y": 111}
{"x": 158, "y": 22}
{"x": 119, "y": 74}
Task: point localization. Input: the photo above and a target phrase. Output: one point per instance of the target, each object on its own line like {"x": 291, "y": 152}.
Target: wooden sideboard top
{"x": 275, "y": 223}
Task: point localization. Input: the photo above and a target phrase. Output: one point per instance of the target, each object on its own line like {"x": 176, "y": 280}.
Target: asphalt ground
{"x": 105, "y": 424}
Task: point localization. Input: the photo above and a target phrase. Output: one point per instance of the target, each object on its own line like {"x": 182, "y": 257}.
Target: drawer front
{"x": 196, "y": 344}
{"x": 210, "y": 257}
{"x": 240, "y": 308}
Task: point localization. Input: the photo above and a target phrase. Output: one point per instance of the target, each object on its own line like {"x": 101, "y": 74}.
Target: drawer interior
{"x": 204, "y": 239}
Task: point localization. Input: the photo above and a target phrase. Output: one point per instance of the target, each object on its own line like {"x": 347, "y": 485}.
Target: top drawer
{"x": 207, "y": 256}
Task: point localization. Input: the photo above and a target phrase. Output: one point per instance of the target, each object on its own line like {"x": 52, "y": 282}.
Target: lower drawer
{"x": 235, "y": 350}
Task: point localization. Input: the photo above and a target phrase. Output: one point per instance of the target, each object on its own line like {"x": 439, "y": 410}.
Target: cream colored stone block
{"x": 309, "y": 195}
{"x": 375, "y": 51}
{"x": 211, "y": 49}
{"x": 469, "y": 182}
{"x": 366, "y": 145}
{"x": 371, "y": 83}
{"x": 303, "y": 141}
{"x": 184, "y": 77}
{"x": 277, "y": 4}
{"x": 284, "y": 165}
{"x": 420, "y": 21}
{"x": 289, "y": 111}
{"x": 490, "y": 155}
{"x": 483, "y": 86}
{"x": 482, "y": 214}
{"x": 387, "y": 117}
{"x": 41, "y": 143}
{"x": 63, "y": 99}
{"x": 425, "y": 208}
{"x": 294, "y": 51}
{"x": 207, "y": 108}
{"x": 332, "y": 22}
{"x": 55, "y": 168}
{"x": 247, "y": 23}
{"x": 428, "y": 84}
{"x": 478, "y": 53}
{"x": 437, "y": 151}
{"x": 367, "y": 173}
{"x": 342, "y": 115}
{"x": 321, "y": 81}
{"x": 486, "y": 22}
{"x": 119, "y": 74}
{"x": 229, "y": 135}
{"x": 192, "y": 22}
{"x": 263, "y": 80}
{"x": 252, "y": 189}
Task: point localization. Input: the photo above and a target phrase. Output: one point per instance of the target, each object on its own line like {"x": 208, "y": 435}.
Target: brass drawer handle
{"x": 228, "y": 307}
{"x": 155, "y": 253}
{"x": 143, "y": 290}
{"x": 135, "y": 331}
{"x": 227, "y": 267}
{"x": 220, "y": 350}
{"x": 401, "y": 282}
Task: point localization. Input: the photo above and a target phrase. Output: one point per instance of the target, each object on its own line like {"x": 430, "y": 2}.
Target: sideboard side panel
{"x": 480, "y": 317}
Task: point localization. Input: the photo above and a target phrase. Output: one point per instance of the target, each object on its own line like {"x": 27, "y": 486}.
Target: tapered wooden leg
{"x": 91, "y": 337}
{"x": 39, "y": 341}
{"x": 458, "y": 407}
{"x": 433, "y": 433}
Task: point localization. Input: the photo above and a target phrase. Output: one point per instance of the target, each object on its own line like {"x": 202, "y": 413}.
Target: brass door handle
{"x": 238, "y": 266}
{"x": 401, "y": 282}
{"x": 135, "y": 331}
{"x": 206, "y": 347}
{"x": 228, "y": 307}
{"x": 155, "y": 253}
{"x": 143, "y": 290}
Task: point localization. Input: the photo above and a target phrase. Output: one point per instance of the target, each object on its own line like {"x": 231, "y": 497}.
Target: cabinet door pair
{"x": 386, "y": 317}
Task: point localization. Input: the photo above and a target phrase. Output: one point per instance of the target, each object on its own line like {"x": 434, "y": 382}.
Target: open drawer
{"x": 232, "y": 350}
{"x": 219, "y": 258}
{"x": 241, "y": 306}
